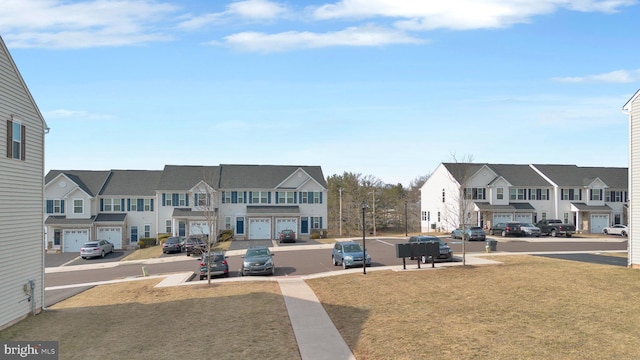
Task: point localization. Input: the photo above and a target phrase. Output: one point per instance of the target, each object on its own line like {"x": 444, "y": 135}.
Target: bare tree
{"x": 205, "y": 201}
{"x": 460, "y": 209}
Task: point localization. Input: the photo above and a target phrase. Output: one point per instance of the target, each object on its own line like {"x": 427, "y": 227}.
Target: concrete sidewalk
{"x": 315, "y": 333}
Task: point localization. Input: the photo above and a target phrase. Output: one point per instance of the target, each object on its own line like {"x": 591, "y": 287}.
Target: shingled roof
{"x": 573, "y": 175}
{"x": 263, "y": 176}
{"x": 132, "y": 182}
{"x": 90, "y": 181}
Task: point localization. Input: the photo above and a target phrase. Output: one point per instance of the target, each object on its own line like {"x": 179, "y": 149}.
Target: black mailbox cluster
{"x": 418, "y": 250}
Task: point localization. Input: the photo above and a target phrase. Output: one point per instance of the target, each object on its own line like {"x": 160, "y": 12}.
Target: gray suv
{"x": 348, "y": 254}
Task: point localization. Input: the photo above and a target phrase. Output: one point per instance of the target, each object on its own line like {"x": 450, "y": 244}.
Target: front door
{"x": 134, "y": 234}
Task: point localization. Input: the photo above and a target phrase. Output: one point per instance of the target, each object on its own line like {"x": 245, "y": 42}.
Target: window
{"x": 133, "y": 204}
{"x": 500, "y": 193}
{"x": 260, "y": 197}
{"x": 167, "y": 227}
{"x": 55, "y": 207}
{"x": 227, "y": 222}
{"x": 316, "y": 222}
{"x": 286, "y": 197}
{"x": 182, "y": 200}
{"x": 148, "y": 204}
{"x": 167, "y": 199}
{"x": 16, "y": 140}
{"x": 226, "y": 197}
{"x": 474, "y": 193}
{"x": 304, "y": 197}
{"x": 517, "y": 194}
{"x": 109, "y": 205}
{"x": 78, "y": 206}
{"x": 147, "y": 230}
{"x": 424, "y": 216}
{"x": 596, "y": 194}
{"x": 438, "y": 216}
{"x": 566, "y": 218}
{"x": 544, "y": 216}
{"x": 615, "y": 196}
{"x": 240, "y": 197}
{"x": 202, "y": 199}
{"x": 442, "y": 195}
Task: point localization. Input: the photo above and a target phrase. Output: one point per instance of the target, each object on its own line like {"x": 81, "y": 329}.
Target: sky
{"x": 382, "y": 88}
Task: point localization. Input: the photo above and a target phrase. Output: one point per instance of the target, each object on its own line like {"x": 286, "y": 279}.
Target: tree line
{"x": 388, "y": 207}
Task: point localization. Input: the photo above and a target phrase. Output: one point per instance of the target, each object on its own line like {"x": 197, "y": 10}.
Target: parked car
{"x": 217, "y": 262}
{"x": 618, "y": 229}
{"x": 469, "y": 234}
{"x": 555, "y": 227}
{"x": 257, "y": 260}
{"x": 287, "y": 236}
{"x": 506, "y": 229}
{"x": 445, "y": 251}
{"x": 98, "y": 248}
{"x": 194, "y": 245}
{"x": 172, "y": 245}
{"x": 529, "y": 229}
{"x": 349, "y": 254}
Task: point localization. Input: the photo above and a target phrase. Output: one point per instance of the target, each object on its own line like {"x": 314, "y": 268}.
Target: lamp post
{"x": 406, "y": 223}
{"x": 340, "y": 224}
{"x": 364, "y": 244}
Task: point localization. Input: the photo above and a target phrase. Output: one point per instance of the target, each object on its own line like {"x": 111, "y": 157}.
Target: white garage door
{"x": 523, "y": 218}
{"x": 111, "y": 234}
{"x": 259, "y": 229}
{"x": 287, "y": 224}
{"x": 500, "y": 218}
{"x": 72, "y": 240}
{"x": 598, "y": 222}
{"x": 199, "y": 228}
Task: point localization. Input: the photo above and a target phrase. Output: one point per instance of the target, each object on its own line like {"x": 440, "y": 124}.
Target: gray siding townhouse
{"x": 632, "y": 108}
{"x": 21, "y": 195}
{"x": 122, "y": 206}
{"x": 486, "y": 194}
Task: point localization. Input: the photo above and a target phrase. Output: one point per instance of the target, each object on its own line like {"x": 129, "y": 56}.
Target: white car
{"x": 97, "y": 248}
{"x": 618, "y": 229}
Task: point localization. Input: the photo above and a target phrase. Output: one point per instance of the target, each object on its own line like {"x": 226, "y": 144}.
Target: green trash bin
{"x": 492, "y": 245}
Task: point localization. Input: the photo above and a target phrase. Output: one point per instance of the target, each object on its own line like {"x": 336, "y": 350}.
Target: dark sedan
{"x": 172, "y": 244}
{"x": 507, "y": 229}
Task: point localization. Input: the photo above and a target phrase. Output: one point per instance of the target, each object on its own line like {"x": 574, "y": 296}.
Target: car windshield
{"x": 475, "y": 228}
{"x": 527, "y": 225}
{"x": 287, "y": 231}
{"x": 91, "y": 244}
{"x": 257, "y": 252}
{"x": 352, "y": 248}
{"x": 216, "y": 258}
{"x": 172, "y": 241}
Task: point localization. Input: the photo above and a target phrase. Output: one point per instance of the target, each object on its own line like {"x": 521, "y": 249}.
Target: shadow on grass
{"x": 590, "y": 258}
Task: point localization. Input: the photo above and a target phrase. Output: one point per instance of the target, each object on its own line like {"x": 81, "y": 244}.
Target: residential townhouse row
{"x": 482, "y": 194}
{"x": 123, "y": 206}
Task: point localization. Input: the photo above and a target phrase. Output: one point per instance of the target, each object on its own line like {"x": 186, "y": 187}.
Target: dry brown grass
{"x": 528, "y": 308}
{"x": 136, "y": 321}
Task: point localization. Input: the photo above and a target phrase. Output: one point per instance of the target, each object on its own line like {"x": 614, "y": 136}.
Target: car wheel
{"x": 623, "y": 233}
{"x": 102, "y": 254}
{"x": 273, "y": 270}
{"x": 553, "y": 233}
{"x": 333, "y": 261}
{"x": 344, "y": 265}
{"x": 504, "y": 233}
{"x": 491, "y": 232}
{"x": 605, "y": 231}
{"x": 84, "y": 257}
{"x": 201, "y": 277}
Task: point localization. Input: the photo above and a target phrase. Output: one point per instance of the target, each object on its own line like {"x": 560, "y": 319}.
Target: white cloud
{"x": 64, "y": 114}
{"x": 61, "y": 24}
{"x": 617, "y": 76}
{"x": 354, "y": 36}
{"x": 253, "y": 10}
{"x": 460, "y": 14}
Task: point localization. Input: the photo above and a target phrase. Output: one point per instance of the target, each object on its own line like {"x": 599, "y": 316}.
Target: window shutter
{"x": 101, "y": 204}
{"x": 276, "y": 197}
{"x": 139, "y": 204}
{"x": 234, "y": 197}
{"x": 164, "y": 199}
{"x": 49, "y": 206}
{"x": 186, "y": 199}
{"x": 250, "y": 197}
{"x": 174, "y": 199}
{"x": 224, "y": 201}
{"x": 321, "y": 203}
{"x": 269, "y": 197}
{"x": 62, "y": 206}
{"x": 245, "y": 197}
{"x": 151, "y": 203}
{"x": 9, "y": 138}
{"x": 129, "y": 204}
{"x": 580, "y": 194}
{"x": 320, "y": 222}
{"x": 23, "y": 143}
{"x": 195, "y": 197}
{"x": 122, "y": 203}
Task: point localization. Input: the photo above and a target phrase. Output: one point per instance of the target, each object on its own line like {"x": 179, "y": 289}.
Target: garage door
{"x": 199, "y": 228}
{"x": 287, "y": 224}
{"x": 598, "y": 222}
{"x": 500, "y": 218}
{"x": 111, "y": 234}
{"x": 523, "y": 218}
{"x": 259, "y": 229}
{"x": 72, "y": 240}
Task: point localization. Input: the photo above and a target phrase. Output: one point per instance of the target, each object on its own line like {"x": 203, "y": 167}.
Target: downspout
{"x": 43, "y": 306}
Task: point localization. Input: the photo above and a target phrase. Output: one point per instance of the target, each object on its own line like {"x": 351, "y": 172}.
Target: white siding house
{"x": 22, "y": 133}
{"x": 632, "y": 107}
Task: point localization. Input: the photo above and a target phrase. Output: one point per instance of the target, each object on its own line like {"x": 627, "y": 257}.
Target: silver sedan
{"x": 98, "y": 248}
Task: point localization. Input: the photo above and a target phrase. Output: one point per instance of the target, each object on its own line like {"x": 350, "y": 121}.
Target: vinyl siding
{"x": 21, "y": 198}
{"x": 634, "y": 184}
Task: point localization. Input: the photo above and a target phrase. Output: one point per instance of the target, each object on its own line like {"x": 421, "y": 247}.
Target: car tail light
{"x": 224, "y": 262}
{"x": 202, "y": 264}
{"x": 96, "y": 248}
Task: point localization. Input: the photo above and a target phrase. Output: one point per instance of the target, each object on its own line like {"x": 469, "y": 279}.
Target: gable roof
{"x": 27, "y": 93}
{"x": 627, "y": 105}
{"x": 132, "y": 182}
{"x": 576, "y": 176}
{"x": 185, "y": 177}
{"x": 514, "y": 174}
{"x": 263, "y": 176}
{"x": 89, "y": 181}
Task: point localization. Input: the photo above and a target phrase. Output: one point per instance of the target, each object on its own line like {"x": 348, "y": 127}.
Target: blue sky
{"x": 388, "y": 88}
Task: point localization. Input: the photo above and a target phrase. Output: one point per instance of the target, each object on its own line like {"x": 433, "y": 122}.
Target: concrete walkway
{"x": 315, "y": 333}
